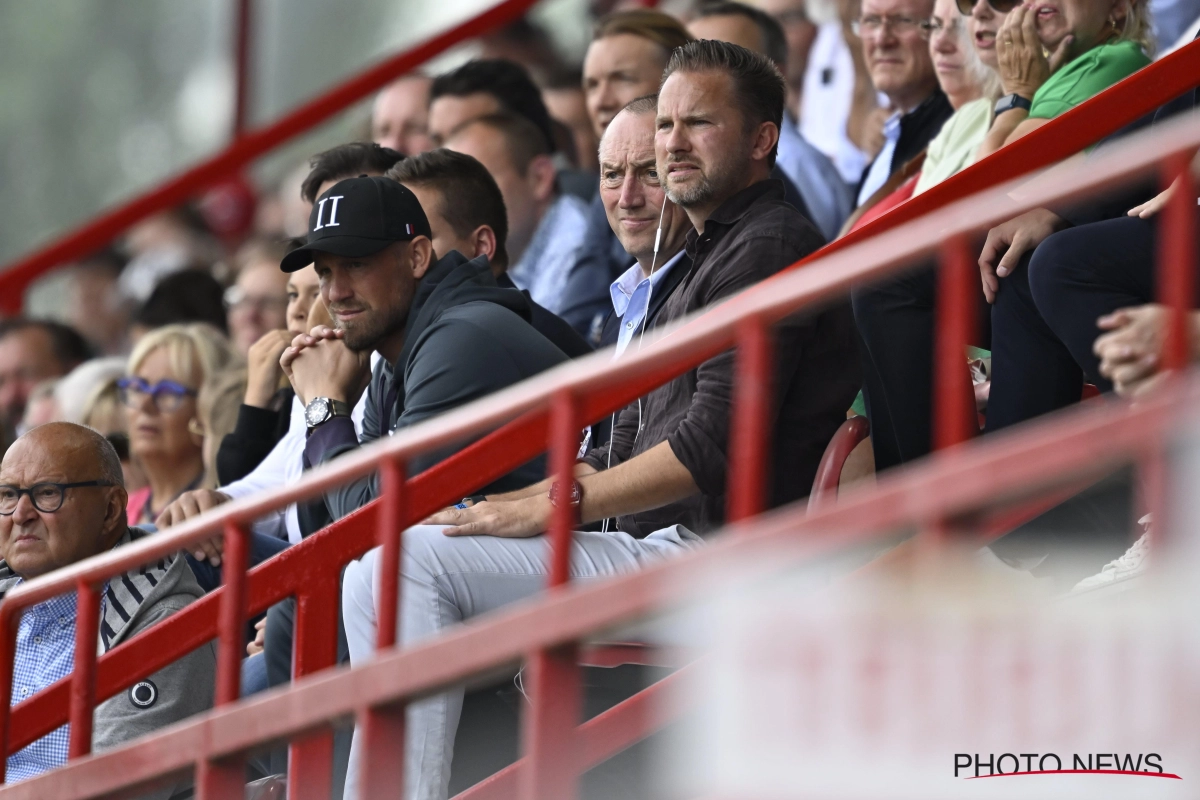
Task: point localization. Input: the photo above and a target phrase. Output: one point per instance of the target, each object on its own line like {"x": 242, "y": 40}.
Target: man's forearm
{"x": 541, "y": 487}
{"x": 650, "y": 480}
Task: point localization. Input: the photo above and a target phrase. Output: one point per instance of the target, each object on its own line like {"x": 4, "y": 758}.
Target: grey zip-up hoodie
{"x": 466, "y": 337}
{"x": 133, "y": 602}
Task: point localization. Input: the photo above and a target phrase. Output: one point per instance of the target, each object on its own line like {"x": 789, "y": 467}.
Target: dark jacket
{"x": 749, "y": 238}
{"x": 257, "y": 432}
{"x": 133, "y": 602}
{"x": 612, "y": 323}
{"x": 465, "y": 338}
{"x": 917, "y": 129}
{"x": 549, "y": 324}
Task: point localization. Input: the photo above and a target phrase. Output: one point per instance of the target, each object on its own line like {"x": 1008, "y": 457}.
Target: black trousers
{"x": 1044, "y": 318}
{"x": 896, "y": 323}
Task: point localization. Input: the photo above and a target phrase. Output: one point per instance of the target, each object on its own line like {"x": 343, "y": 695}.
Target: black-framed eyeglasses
{"x": 999, "y": 6}
{"x": 168, "y": 396}
{"x": 46, "y": 497}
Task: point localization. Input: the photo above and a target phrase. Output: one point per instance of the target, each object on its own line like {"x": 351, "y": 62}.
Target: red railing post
{"x": 383, "y": 729}
{"x": 753, "y": 412}
{"x": 549, "y": 725}
{"x": 1177, "y": 258}
{"x": 310, "y": 758}
{"x": 954, "y": 416}
{"x": 83, "y": 679}
{"x": 226, "y": 777}
{"x": 243, "y": 36}
{"x": 8, "y": 653}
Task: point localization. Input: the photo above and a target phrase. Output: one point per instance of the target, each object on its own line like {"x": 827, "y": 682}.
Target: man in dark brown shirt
{"x": 718, "y": 119}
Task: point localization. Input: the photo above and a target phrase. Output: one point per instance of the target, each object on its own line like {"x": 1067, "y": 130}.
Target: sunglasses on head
{"x": 999, "y": 6}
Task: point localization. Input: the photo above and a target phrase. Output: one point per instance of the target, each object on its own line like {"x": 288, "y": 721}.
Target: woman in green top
{"x": 1054, "y": 54}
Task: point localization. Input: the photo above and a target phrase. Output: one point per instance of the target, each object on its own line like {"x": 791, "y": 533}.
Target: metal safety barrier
{"x": 546, "y": 412}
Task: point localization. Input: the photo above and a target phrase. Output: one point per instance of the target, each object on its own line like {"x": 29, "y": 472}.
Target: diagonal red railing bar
{"x": 101, "y": 230}
{"x": 1041, "y": 455}
{"x": 601, "y": 385}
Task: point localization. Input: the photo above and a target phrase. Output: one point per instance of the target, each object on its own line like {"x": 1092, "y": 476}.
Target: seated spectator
{"x": 190, "y": 296}
{"x": 567, "y": 105}
{"x": 466, "y": 213}
{"x": 825, "y": 197}
{"x": 165, "y": 372}
{"x": 216, "y": 414}
{"x": 61, "y": 501}
{"x": 104, "y": 412}
{"x": 895, "y": 46}
{"x": 447, "y": 333}
{"x": 400, "y": 116}
{"x": 257, "y": 300}
{"x": 42, "y": 406}
{"x": 95, "y": 306}
{"x": 32, "y": 351}
{"x": 966, "y": 71}
{"x": 1091, "y": 44}
{"x": 635, "y": 203}
{"x": 76, "y": 388}
{"x": 718, "y": 120}
{"x": 344, "y": 161}
{"x": 489, "y": 86}
{"x": 545, "y": 226}
{"x": 624, "y": 62}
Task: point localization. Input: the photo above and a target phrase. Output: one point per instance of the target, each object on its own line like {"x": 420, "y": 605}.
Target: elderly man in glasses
{"x": 61, "y": 501}
{"x": 895, "y": 46}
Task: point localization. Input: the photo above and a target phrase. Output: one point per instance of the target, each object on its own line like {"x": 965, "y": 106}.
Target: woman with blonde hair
{"x": 165, "y": 372}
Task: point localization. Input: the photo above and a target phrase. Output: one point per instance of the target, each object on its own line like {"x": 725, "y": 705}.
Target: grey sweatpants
{"x": 445, "y": 580}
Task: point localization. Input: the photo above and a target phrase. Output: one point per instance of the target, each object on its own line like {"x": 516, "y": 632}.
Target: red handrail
{"x": 251, "y": 145}
{"x": 600, "y": 386}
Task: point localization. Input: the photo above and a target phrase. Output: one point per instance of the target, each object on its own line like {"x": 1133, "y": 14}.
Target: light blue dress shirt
{"x": 552, "y": 252}
{"x": 45, "y": 654}
{"x": 631, "y": 298}
{"x": 825, "y": 193}
{"x": 881, "y": 167}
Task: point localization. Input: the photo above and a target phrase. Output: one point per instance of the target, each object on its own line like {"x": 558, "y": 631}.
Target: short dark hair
{"x": 470, "y": 196}
{"x": 505, "y": 80}
{"x": 346, "y": 161}
{"x": 68, "y": 346}
{"x": 662, "y": 29}
{"x": 758, "y": 84}
{"x": 191, "y": 295}
{"x": 774, "y": 40}
{"x": 521, "y": 138}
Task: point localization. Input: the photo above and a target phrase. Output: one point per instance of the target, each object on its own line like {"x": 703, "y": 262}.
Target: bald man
{"x": 61, "y": 501}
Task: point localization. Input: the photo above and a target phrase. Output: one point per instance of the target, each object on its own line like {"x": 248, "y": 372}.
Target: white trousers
{"x": 445, "y": 580}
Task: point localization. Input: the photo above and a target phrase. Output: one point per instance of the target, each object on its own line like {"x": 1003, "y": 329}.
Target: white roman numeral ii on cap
{"x": 333, "y": 223}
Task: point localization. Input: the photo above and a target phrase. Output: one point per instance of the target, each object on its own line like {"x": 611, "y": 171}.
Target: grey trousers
{"x": 445, "y": 580}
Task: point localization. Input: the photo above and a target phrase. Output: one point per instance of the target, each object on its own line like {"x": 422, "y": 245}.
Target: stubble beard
{"x": 365, "y": 335}
{"x": 718, "y": 181}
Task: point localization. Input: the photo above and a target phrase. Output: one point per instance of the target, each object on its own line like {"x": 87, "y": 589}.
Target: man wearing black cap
{"x": 447, "y": 333}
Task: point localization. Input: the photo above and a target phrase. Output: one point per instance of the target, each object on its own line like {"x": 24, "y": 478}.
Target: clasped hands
{"x": 319, "y": 364}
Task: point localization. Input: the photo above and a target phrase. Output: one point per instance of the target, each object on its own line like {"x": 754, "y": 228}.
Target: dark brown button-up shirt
{"x": 750, "y": 237}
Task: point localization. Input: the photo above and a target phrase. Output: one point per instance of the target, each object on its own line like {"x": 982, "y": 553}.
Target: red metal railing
{"x": 549, "y": 408}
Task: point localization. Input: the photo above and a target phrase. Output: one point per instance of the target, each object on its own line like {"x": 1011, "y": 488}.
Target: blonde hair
{"x": 191, "y": 348}
{"x": 1137, "y": 26}
{"x": 217, "y": 408}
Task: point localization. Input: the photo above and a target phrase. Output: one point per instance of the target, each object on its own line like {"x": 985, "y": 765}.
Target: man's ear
{"x": 541, "y": 176}
{"x": 483, "y": 242}
{"x": 765, "y": 139}
{"x": 420, "y": 251}
{"x": 115, "y": 521}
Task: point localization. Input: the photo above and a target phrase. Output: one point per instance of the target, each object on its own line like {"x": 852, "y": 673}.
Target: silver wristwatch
{"x": 322, "y": 409}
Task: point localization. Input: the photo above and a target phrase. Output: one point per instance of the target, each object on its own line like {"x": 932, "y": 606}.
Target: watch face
{"x": 316, "y": 411}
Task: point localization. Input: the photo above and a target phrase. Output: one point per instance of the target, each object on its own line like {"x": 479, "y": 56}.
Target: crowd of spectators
{"x": 514, "y": 213}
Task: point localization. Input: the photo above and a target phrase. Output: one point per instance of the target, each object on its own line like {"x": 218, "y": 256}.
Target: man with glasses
{"x": 895, "y": 42}
{"x": 62, "y": 500}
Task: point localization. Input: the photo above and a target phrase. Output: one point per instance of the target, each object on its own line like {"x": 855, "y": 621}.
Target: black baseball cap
{"x": 359, "y": 217}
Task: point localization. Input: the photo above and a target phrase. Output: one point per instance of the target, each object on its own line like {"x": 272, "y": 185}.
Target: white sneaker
{"x": 1131, "y": 565}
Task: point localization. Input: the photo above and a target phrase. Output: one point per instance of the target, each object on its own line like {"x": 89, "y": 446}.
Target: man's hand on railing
{"x": 1006, "y": 243}
{"x": 191, "y": 504}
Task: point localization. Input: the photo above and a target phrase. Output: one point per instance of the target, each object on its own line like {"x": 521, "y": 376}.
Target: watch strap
{"x": 1011, "y": 101}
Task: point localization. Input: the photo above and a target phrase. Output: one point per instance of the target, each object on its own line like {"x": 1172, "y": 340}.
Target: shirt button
{"x": 629, "y": 326}
{"x": 37, "y": 640}
{"x": 24, "y": 691}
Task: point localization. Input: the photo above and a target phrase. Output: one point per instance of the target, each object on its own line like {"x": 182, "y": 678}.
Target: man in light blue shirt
{"x": 633, "y": 201}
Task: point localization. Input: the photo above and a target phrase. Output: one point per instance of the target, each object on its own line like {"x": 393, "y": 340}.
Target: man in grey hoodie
{"x": 61, "y": 501}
